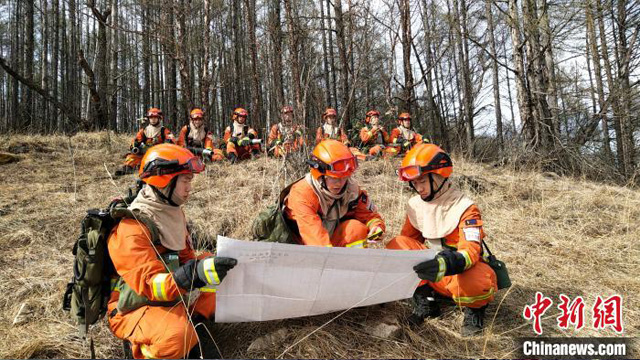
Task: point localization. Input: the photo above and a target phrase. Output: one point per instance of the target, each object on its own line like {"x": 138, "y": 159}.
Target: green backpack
{"x": 87, "y": 294}
{"x": 270, "y": 224}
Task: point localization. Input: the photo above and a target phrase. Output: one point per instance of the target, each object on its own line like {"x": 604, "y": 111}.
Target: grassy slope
{"x": 557, "y": 235}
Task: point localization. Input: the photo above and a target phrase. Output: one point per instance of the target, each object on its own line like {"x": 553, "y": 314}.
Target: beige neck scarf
{"x": 439, "y": 217}
{"x": 151, "y": 132}
{"x": 170, "y": 220}
{"x": 197, "y": 134}
{"x": 333, "y": 207}
{"x": 331, "y": 130}
{"x": 238, "y": 129}
{"x": 406, "y": 133}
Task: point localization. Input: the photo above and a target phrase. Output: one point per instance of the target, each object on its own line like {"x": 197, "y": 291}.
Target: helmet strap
{"x": 433, "y": 192}
{"x": 172, "y": 188}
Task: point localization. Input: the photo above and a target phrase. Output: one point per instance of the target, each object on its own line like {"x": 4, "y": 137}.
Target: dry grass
{"x": 557, "y": 235}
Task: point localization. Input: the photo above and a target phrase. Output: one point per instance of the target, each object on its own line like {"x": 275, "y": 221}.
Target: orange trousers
{"x": 474, "y": 288}
{"x": 161, "y": 332}
{"x": 348, "y": 233}
{"x": 284, "y": 149}
{"x": 242, "y": 152}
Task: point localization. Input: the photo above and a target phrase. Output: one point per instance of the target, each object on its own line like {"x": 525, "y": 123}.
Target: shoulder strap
{"x": 120, "y": 212}
{"x": 285, "y": 192}
{"x": 144, "y": 136}
{"x": 187, "y": 141}
{"x": 162, "y": 138}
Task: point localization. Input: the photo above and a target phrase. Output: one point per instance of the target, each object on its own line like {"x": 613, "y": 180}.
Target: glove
{"x": 278, "y": 142}
{"x": 406, "y": 144}
{"x": 234, "y": 139}
{"x": 212, "y": 270}
{"x": 374, "y": 233}
{"x": 244, "y": 141}
{"x": 446, "y": 263}
{"x": 207, "y": 153}
{"x": 233, "y": 157}
{"x": 251, "y": 136}
{"x": 186, "y": 276}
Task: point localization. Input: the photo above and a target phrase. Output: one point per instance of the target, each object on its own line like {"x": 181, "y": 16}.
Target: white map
{"x": 278, "y": 281}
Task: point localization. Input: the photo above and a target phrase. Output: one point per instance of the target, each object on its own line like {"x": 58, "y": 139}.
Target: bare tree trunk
{"x": 182, "y": 57}
{"x": 496, "y": 85}
{"x": 344, "y": 64}
{"x": 595, "y": 56}
{"x": 275, "y": 33}
{"x": 256, "y": 93}
{"x": 294, "y": 53}
{"x": 325, "y": 60}
{"x": 405, "y": 23}
{"x": 29, "y": 48}
{"x": 522, "y": 92}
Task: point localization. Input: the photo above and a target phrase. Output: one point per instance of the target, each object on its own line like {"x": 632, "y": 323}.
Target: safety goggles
{"x": 159, "y": 167}
{"x": 196, "y": 117}
{"x": 404, "y": 118}
{"x": 338, "y": 168}
{"x": 241, "y": 115}
{"x": 412, "y": 172}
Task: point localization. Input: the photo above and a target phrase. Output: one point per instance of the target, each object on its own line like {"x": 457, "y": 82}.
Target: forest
{"x": 553, "y": 84}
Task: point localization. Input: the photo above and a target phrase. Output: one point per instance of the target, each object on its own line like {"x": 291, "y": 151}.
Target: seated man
{"x": 197, "y": 138}
{"x": 241, "y": 140}
{"x": 148, "y": 305}
{"x": 285, "y": 136}
{"x": 443, "y": 218}
{"x": 404, "y": 137}
{"x": 327, "y": 207}
{"x": 152, "y": 134}
{"x": 373, "y": 135}
{"x": 329, "y": 128}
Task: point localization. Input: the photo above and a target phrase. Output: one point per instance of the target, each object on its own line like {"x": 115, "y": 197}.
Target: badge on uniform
{"x": 471, "y": 233}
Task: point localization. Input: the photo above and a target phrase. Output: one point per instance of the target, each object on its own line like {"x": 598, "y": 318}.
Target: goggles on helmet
{"x": 412, "y": 172}
{"x": 158, "y": 167}
{"x": 338, "y": 168}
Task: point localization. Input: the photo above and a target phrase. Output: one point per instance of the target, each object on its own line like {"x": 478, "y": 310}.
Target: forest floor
{"x": 557, "y": 235}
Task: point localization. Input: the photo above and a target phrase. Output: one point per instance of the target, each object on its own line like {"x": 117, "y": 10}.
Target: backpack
{"x": 87, "y": 294}
{"x": 270, "y": 224}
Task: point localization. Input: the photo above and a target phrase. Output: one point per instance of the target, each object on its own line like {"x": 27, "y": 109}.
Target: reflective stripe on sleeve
{"x": 210, "y": 272}
{"x": 360, "y": 244}
{"x": 467, "y": 259}
{"x": 159, "y": 287}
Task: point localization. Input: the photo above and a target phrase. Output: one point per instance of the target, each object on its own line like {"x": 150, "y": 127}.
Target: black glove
{"x": 199, "y": 273}
{"x": 244, "y": 141}
{"x": 251, "y": 136}
{"x": 233, "y": 157}
{"x": 212, "y": 272}
{"x": 234, "y": 139}
{"x": 446, "y": 263}
{"x": 186, "y": 276}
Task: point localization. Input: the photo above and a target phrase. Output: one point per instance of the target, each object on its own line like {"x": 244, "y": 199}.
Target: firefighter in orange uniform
{"x": 197, "y": 138}
{"x": 373, "y": 136}
{"x": 285, "y": 137}
{"x": 329, "y": 128}
{"x": 327, "y": 207}
{"x": 148, "y": 305}
{"x": 152, "y": 134}
{"x": 443, "y": 218}
{"x": 404, "y": 137}
{"x": 240, "y": 138}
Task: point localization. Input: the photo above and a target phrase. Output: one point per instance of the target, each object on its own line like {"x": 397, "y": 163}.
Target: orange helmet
{"x": 196, "y": 113}
{"x": 332, "y": 158}
{"x": 239, "y": 112}
{"x": 404, "y": 116}
{"x": 286, "y": 109}
{"x": 163, "y": 162}
{"x": 154, "y": 112}
{"x": 371, "y": 113}
{"x": 329, "y": 111}
{"x": 425, "y": 158}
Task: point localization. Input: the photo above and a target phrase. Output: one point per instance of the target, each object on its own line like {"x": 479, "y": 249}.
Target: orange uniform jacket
{"x": 183, "y": 141}
{"x": 164, "y": 134}
{"x": 397, "y": 132}
{"x": 470, "y": 219}
{"x": 303, "y": 207}
{"x": 228, "y": 135}
{"x": 369, "y": 137}
{"x": 275, "y": 134}
{"x": 135, "y": 260}
{"x": 321, "y": 135}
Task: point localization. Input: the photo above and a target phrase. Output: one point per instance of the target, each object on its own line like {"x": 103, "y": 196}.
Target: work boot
{"x": 473, "y": 321}
{"x": 126, "y": 349}
{"x": 424, "y": 306}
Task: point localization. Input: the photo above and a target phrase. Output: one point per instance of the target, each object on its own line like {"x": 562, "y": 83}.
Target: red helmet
{"x": 154, "y": 112}
{"x": 196, "y": 113}
{"x": 286, "y": 109}
{"x": 332, "y": 158}
{"x": 329, "y": 112}
{"x": 371, "y": 113}
{"x": 425, "y": 158}
{"x": 163, "y": 162}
